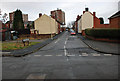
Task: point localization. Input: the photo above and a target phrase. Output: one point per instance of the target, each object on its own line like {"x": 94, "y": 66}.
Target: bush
{"x": 103, "y": 33}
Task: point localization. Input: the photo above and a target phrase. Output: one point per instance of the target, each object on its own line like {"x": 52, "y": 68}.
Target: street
{"x": 65, "y": 58}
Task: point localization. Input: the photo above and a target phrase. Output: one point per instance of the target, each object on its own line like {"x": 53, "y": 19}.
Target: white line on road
{"x": 84, "y": 54}
{"x": 57, "y": 40}
{"x": 80, "y": 55}
{"x": 108, "y": 54}
{"x": 58, "y": 55}
{"x": 37, "y": 55}
{"x": 64, "y": 47}
{"x": 70, "y": 55}
{"x": 47, "y": 55}
{"x": 65, "y": 42}
{"x": 65, "y": 52}
{"x": 96, "y": 54}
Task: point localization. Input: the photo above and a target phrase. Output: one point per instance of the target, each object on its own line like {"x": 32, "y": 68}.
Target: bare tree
{"x": 3, "y": 17}
{"x": 70, "y": 24}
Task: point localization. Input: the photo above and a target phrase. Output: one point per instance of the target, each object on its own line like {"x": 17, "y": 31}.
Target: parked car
{"x": 72, "y": 33}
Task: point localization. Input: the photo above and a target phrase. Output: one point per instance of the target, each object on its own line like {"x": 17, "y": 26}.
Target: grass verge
{"x": 15, "y": 45}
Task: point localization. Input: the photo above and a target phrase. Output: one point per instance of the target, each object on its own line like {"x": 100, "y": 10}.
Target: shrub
{"x": 103, "y": 33}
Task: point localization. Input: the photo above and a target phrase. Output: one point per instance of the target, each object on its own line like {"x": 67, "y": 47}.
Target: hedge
{"x": 103, "y": 33}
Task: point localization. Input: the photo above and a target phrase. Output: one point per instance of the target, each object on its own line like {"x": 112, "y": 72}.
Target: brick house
{"x": 115, "y": 20}
{"x": 25, "y": 16}
{"x": 59, "y": 16}
{"x": 4, "y": 32}
{"x": 9, "y": 23}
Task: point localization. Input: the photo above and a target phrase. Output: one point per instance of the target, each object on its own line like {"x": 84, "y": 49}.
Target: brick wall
{"x": 98, "y": 25}
{"x": 115, "y": 22}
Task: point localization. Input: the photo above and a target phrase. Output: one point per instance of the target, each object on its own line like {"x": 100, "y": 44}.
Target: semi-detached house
{"x": 89, "y": 20}
{"x": 45, "y": 25}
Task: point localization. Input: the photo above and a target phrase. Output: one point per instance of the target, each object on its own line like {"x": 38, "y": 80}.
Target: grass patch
{"x": 16, "y": 45}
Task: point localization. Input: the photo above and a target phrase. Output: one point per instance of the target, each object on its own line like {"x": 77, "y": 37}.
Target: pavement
{"x": 29, "y": 50}
{"x": 67, "y": 58}
{"x": 103, "y": 47}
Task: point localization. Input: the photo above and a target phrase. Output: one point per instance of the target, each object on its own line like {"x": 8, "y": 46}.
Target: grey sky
{"x": 103, "y": 9}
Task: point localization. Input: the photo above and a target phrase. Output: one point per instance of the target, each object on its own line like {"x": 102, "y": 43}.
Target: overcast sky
{"x": 72, "y": 8}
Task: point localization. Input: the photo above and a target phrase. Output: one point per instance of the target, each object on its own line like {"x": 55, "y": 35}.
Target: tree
{"x": 101, "y": 20}
{"x": 4, "y": 17}
{"x": 18, "y": 20}
{"x": 28, "y": 26}
{"x": 70, "y": 24}
{"x": 32, "y": 26}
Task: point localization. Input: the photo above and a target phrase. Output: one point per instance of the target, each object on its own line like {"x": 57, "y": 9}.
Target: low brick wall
{"x": 36, "y": 36}
{"x": 103, "y": 39}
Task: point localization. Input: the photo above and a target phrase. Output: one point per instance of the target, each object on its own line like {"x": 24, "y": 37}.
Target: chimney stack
{"x": 87, "y": 9}
{"x": 94, "y": 13}
{"x": 83, "y": 12}
{"x": 40, "y": 14}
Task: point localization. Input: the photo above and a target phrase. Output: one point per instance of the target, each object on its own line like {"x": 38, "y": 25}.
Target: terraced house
{"x": 85, "y": 21}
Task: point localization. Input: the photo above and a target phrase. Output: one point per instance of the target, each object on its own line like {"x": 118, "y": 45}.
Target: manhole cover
{"x": 36, "y": 76}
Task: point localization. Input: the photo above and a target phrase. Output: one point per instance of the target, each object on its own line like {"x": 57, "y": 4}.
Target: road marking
{"x": 108, "y": 54}
{"x": 80, "y": 55}
{"x": 57, "y": 40}
{"x": 58, "y": 55}
{"x": 70, "y": 55}
{"x": 84, "y": 54}
{"x": 96, "y": 54}
{"x": 65, "y": 52}
{"x": 64, "y": 47}
{"x": 48, "y": 55}
{"x": 37, "y": 55}
{"x": 65, "y": 42}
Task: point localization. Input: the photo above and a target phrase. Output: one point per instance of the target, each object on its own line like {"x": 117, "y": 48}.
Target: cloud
{"x": 71, "y": 9}
{"x": 59, "y": 0}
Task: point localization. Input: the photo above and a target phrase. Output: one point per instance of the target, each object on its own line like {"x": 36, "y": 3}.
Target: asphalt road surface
{"x": 65, "y": 58}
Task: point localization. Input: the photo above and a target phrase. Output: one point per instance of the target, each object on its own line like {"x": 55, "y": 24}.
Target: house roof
{"x": 115, "y": 15}
{"x": 45, "y": 16}
{"x": 92, "y": 14}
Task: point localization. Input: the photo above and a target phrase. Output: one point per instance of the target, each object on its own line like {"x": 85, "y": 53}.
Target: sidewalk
{"x": 103, "y": 47}
{"x": 31, "y": 49}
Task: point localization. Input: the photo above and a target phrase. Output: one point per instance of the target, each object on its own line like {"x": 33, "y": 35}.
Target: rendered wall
{"x": 45, "y": 25}
{"x": 87, "y": 20}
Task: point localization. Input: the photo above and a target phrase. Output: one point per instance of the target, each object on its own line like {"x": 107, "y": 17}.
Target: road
{"x": 65, "y": 58}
